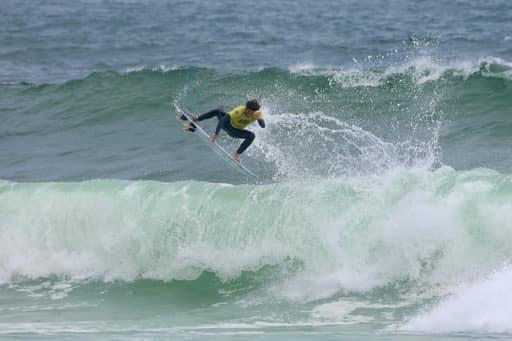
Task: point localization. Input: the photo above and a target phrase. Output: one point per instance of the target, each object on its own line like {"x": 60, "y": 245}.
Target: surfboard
{"x": 218, "y": 149}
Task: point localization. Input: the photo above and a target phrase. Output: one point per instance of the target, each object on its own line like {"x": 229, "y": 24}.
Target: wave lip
{"x": 420, "y": 70}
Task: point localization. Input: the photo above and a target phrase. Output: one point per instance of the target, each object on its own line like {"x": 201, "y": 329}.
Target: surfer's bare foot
{"x": 194, "y": 117}
{"x": 236, "y": 157}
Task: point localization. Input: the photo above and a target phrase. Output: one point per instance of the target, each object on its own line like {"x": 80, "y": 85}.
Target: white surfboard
{"x": 215, "y": 146}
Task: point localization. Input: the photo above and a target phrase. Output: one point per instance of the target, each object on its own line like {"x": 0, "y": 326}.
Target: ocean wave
{"x": 353, "y": 234}
{"x": 420, "y": 69}
{"x": 345, "y": 122}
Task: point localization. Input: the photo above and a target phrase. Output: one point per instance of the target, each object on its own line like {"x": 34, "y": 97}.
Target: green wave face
{"x": 404, "y": 225}
{"x": 333, "y": 251}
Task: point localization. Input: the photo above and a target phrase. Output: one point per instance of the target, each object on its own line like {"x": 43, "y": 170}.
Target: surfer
{"x": 233, "y": 122}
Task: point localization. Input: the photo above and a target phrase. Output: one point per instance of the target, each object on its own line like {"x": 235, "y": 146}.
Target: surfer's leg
{"x": 216, "y": 112}
{"x": 189, "y": 127}
{"x": 248, "y": 138}
{"x": 207, "y": 115}
{"x": 247, "y": 135}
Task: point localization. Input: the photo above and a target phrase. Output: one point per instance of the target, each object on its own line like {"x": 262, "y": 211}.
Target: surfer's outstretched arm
{"x": 261, "y": 123}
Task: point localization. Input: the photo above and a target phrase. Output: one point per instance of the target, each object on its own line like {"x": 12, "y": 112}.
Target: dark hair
{"x": 253, "y": 104}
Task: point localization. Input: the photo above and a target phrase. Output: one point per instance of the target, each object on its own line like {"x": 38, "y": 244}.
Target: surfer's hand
{"x": 212, "y": 138}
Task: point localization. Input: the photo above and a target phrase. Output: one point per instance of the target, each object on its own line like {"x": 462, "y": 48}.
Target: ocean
{"x": 383, "y": 204}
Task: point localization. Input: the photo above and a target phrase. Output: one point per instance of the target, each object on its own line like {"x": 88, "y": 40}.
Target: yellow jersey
{"x": 240, "y": 120}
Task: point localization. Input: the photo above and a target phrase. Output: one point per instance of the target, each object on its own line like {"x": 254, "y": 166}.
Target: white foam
{"x": 301, "y": 67}
{"x": 133, "y": 69}
{"x": 423, "y": 69}
{"x": 352, "y": 311}
{"x": 338, "y": 311}
{"x": 160, "y": 68}
{"x": 482, "y": 307}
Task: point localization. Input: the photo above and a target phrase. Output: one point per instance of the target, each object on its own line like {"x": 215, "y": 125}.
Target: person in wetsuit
{"x": 233, "y": 122}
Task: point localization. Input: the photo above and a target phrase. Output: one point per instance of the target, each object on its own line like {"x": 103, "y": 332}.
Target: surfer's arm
{"x": 261, "y": 122}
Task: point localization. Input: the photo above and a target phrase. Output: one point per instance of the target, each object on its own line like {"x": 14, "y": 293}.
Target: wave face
{"x": 338, "y": 248}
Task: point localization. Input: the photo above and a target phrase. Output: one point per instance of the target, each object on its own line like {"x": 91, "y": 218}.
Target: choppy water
{"x": 385, "y": 200}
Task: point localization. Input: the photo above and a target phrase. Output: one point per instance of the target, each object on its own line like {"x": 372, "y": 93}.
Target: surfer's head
{"x": 253, "y": 105}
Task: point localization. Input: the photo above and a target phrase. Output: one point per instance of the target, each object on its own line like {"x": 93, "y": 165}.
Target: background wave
{"x": 357, "y": 125}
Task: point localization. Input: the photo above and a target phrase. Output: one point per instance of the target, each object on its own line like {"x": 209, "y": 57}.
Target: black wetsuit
{"x": 225, "y": 123}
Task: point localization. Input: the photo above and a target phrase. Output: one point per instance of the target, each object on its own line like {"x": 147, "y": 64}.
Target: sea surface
{"x": 383, "y": 207}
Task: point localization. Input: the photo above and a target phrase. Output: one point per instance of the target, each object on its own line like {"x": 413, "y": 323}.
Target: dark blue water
{"x": 45, "y": 41}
